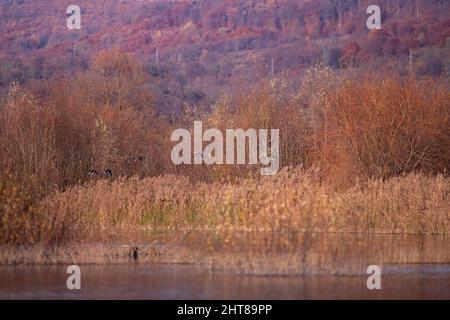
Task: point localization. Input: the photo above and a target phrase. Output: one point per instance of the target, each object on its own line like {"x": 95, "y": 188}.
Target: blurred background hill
{"x": 194, "y": 50}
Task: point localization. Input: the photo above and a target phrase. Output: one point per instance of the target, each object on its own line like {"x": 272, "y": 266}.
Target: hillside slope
{"x": 194, "y": 49}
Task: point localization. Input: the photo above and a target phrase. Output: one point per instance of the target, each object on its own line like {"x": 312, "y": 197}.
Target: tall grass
{"x": 293, "y": 201}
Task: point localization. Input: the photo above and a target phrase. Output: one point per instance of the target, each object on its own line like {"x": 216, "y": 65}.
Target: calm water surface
{"x": 143, "y": 281}
{"x": 428, "y": 279}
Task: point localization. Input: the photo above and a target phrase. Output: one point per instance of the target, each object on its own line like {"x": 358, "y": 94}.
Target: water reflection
{"x": 244, "y": 265}
{"x": 139, "y": 281}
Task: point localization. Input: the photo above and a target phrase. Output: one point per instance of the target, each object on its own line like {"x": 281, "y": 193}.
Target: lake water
{"x": 144, "y": 281}
{"x": 271, "y": 266}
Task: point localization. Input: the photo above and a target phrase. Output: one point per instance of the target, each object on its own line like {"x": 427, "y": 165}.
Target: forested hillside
{"x": 195, "y": 49}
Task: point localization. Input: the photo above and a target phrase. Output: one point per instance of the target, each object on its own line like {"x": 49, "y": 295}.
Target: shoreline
{"x": 288, "y": 255}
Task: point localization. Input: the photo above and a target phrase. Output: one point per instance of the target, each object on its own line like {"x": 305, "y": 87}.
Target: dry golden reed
{"x": 294, "y": 200}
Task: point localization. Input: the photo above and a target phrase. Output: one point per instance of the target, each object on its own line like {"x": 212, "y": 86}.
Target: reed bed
{"x": 294, "y": 200}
